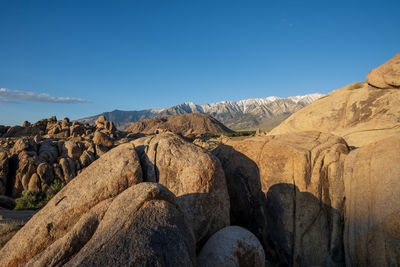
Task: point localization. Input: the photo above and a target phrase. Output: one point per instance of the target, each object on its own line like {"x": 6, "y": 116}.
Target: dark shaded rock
{"x": 372, "y": 222}
{"x": 7, "y": 202}
{"x": 232, "y": 246}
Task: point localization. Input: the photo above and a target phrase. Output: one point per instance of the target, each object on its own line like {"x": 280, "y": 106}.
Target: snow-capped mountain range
{"x": 263, "y": 113}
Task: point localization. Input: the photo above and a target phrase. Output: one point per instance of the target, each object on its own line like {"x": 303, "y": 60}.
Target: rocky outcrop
{"x": 74, "y": 213}
{"x": 193, "y": 175}
{"x": 142, "y": 226}
{"x": 186, "y": 125}
{"x": 372, "y": 221}
{"x": 360, "y": 113}
{"x": 386, "y": 76}
{"x": 232, "y": 246}
{"x": 288, "y": 190}
{"x": 35, "y": 163}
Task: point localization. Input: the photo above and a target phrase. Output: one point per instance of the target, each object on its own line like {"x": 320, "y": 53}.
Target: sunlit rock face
{"x": 386, "y": 76}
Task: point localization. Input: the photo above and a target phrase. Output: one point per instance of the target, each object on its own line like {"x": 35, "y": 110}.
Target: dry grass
{"x": 8, "y": 230}
{"x": 355, "y": 86}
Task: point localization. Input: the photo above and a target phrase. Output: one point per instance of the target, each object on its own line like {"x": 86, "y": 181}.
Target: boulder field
{"x": 327, "y": 196}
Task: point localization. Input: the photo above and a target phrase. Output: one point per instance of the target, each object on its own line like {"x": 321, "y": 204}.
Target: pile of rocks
{"x": 33, "y": 156}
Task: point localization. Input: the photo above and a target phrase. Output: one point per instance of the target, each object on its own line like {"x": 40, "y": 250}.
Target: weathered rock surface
{"x": 194, "y": 175}
{"x": 142, "y": 226}
{"x": 84, "y": 198}
{"x": 288, "y": 190}
{"x": 185, "y": 124}
{"x": 372, "y": 221}
{"x": 359, "y": 113}
{"x": 232, "y": 246}
{"x": 386, "y": 76}
{"x": 101, "y": 138}
{"x": 65, "y": 147}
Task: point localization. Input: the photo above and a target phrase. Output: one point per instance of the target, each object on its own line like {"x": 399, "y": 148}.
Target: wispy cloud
{"x": 7, "y": 101}
{"x": 10, "y": 95}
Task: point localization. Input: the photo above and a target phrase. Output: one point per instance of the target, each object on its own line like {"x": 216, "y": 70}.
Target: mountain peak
{"x": 244, "y": 114}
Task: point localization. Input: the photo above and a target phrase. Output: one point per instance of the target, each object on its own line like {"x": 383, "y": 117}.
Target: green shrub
{"x": 240, "y": 133}
{"x": 355, "y": 86}
{"x": 211, "y": 135}
{"x": 233, "y": 134}
{"x": 53, "y": 190}
{"x": 33, "y": 200}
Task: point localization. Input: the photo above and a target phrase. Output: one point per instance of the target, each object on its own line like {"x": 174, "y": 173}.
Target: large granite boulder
{"x": 194, "y": 175}
{"x": 84, "y": 198}
{"x": 359, "y": 113}
{"x": 232, "y": 246}
{"x": 288, "y": 190}
{"x": 372, "y": 190}
{"x": 386, "y": 76}
{"x": 142, "y": 226}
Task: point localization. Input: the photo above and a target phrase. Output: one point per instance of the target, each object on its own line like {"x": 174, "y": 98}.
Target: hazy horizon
{"x": 80, "y": 58}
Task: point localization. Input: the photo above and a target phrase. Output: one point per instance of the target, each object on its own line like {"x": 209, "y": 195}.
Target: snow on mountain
{"x": 243, "y": 114}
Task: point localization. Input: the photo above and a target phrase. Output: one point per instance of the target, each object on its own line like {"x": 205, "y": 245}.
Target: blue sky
{"x": 131, "y": 55}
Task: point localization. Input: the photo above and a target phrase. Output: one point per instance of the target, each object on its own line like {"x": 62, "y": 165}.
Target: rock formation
{"x": 372, "y": 221}
{"x": 360, "y": 113}
{"x": 232, "y": 246}
{"x": 36, "y": 162}
{"x": 386, "y": 76}
{"x": 186, "y": 125}
{"x": 193, "y": 175}
{"x": 74, "y": 213}
{"x": 288, "y": 191}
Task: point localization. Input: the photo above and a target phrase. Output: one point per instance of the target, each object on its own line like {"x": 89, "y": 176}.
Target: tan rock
{"x": 288, "y": 190}
{"x": 48, "y": 152}
{"x": 386, "y": 76}
{"x": 72, "y": 149}
{"x": 100, "y": 182}
{"x": 193, "y": 175}
{"x": 77, "y": 130}
{"x": 232, "y": 246}
{"x": 87, "y": 158}
{"x": 24, "y": 144}
{"x": 372, "y": 222}
{"x": 101, "y": 150}
{"x": 149, "y": 216}
{"x": 185, "y": 124}
{"x": 102, "y": 139}
{"x": 359, "y": 113}
{"x": 34, "y": 183}
{"x": 69, "y": 169}
{"x": 100, "y": 120}
{"x": 46, "y": 175}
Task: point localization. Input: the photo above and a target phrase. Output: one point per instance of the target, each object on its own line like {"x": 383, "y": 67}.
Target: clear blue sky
{"x": 133, "y": 55}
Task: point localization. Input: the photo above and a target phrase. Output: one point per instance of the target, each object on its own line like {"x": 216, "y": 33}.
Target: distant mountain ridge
{"x": 264, "y": 113}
